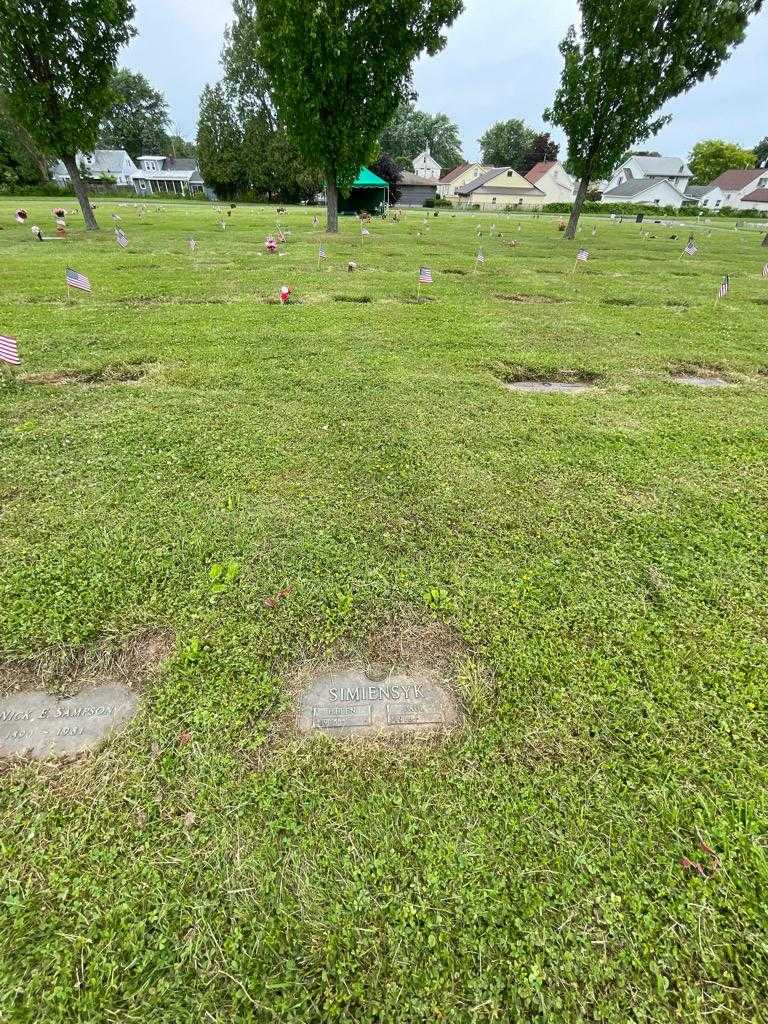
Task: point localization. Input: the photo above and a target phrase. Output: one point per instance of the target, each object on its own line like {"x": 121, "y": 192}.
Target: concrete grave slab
{"x": 701, "y": 382}
{"x": 546, "y": 387}
{"x": 37, "y": 725}
{"x": 374, "y": 701}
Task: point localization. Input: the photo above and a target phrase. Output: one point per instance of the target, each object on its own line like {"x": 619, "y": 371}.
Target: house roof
{"x": 636, "y": 186}
{"x": 481, "y": 179}
{"x": 736, "y": 179}
{"x": 450, "y": 176}
{"x": 408, "y": 178}
{"x": 760, "y": 195}
{"x": 494, "y": 172}
{"x": 697, "y": 191}
{"x": 661, "y": 166}
{"x": 179, "y": 163}
{"x": 539, "y": 170}
{"x": 143, "y": 175}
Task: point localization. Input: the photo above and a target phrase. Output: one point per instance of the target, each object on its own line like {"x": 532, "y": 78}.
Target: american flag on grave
{"x": 690, "y": 249}
{"x": 321, "y": 253}
{"x": 480, "y": 256}
{"x": 121, "y": 238}
{"x": 425, "y": 275}
{"x": 9, "y": 350}
{"x": 722, "y": 291}
{"x": 765, "y": 270}
{"x": 364, "y": 231}
{"x": 75, "y": 280}
{"x": 582, "y": 255}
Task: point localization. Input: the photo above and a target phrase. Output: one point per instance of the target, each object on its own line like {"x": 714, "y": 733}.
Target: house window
{"x": 493, "y": 199}
{"x": 717, "y": 203}
{"x": 657, "y": 201}
{"x": 728, "y": 195}
{"x": 762, "y": 182}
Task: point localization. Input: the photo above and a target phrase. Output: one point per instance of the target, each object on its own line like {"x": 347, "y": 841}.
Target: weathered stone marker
{"x": 353, "y": 702}
{"x": 37, "y": 725}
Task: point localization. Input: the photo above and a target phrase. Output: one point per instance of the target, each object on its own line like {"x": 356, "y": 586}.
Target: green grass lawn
{"x": 592, "y": 566}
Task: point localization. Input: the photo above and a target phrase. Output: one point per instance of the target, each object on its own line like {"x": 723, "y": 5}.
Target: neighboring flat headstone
{"x": 546, "y": 387}
{"x": 701, "y": 382}
{"x": 36, "y": 725}
{"x": 374, "y": 702}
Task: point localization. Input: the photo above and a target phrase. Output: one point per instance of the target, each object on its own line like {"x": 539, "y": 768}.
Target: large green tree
{"x": 410, "y": 131}
{"x": 57, "y": 58}
{"x": 137, "y": 119}
{"x": 630, "y": 58}
{"x": 506, "y": 143}
{"x": 711, "y": 157}
{"x": 219, "y": 141}
{"x": 337, "y": 70}
{"x": 761, "y": 152}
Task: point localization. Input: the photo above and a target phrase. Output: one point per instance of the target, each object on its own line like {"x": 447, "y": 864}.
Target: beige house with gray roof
{"x": 499, "y": 188}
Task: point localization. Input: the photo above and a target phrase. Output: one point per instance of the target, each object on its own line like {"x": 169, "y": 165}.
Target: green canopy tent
{"x": 369, "y": 192}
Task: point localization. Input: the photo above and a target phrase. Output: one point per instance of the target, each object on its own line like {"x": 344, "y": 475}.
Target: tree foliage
{"x": 219, "y": 141}
{"x": 506, "y": 143}
{"x": 137, "y": 119}
{"x": 630, "y": 58}
{"x": 338, "y": 69}
{"x": 542, "y": 150}
{"x": 761, "y": 152}
{"x": 389, "y": 170}
{"x": 21, "y": 161}
{"x": 410, "y": 131}
{"x": 58, "y": 58}
{"x": 711, "y": 157}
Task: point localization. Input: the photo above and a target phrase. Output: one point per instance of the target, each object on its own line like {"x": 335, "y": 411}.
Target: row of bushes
{"x": 632, "y": 209}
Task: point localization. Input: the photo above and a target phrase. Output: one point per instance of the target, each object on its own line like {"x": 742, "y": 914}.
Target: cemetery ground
{"x": 202, "y": 490}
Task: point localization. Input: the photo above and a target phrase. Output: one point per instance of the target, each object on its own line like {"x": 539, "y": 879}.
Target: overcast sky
{"x": 501, "y": 61}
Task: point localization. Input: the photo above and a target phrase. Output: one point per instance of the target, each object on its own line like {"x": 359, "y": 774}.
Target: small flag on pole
{"x": 722, "y": 291}
{"x": 425, "y": 275}
{"x": 75, "y": 280}
{"x": 192, "y": 244}
{"x": 121, "y": 238}
{"x": 9, "y": 350}
{"x": 321, "y": 253}
{"x": 480, "y": 256}
{"x": 690, "y": 249}
{"x": 364, "y": 231}
{"x": 582, "y": 255}
{"x": 765, "y": 270}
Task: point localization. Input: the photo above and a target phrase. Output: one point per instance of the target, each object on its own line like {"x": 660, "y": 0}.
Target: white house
{"x": 551, "y": 178}
{"x": 653, "y": 180}
{"x": 646, "y": 191}
{"x": 657, "y": 168}
{"x": 738, "y": 190}
{"x": 102, "y": 163}
{"x": 425, "y": 166}
{"x": 167, "y": 174}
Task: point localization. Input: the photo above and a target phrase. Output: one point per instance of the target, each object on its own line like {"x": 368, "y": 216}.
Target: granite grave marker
{"x": 374, "y": 702}
{"x": 37, "y": 725}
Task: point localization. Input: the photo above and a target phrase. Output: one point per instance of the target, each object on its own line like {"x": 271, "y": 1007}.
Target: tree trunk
{"x": 332, "y": 207}
{"x": 80, "y": 191}
{"x": 570, "y": 231}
